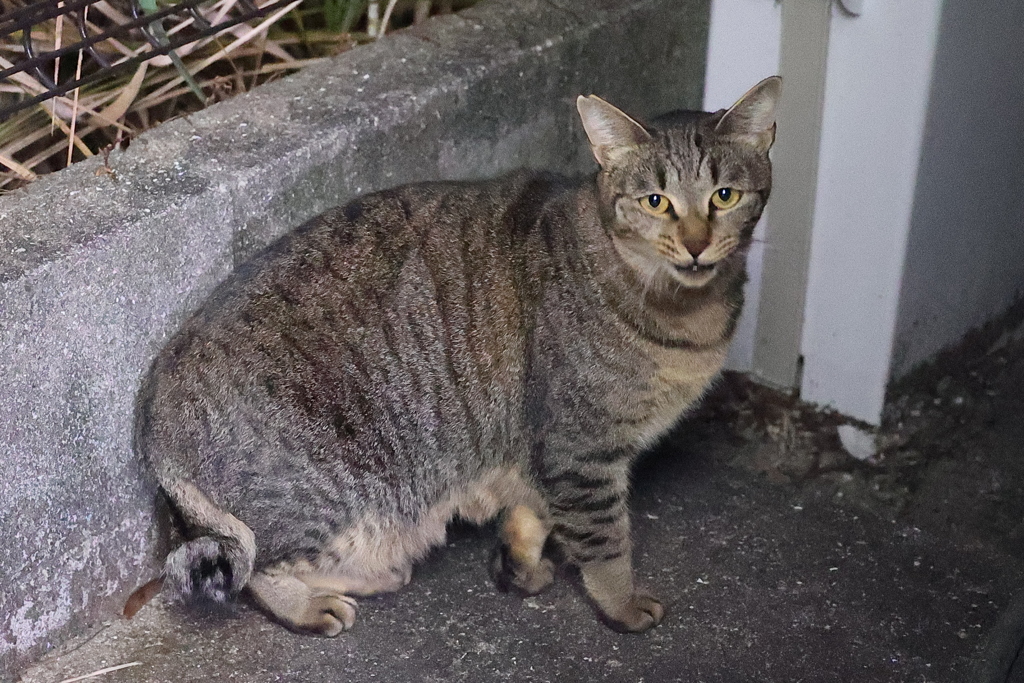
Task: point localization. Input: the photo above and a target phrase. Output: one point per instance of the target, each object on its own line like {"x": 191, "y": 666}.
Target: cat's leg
{"x": 385, "y": 582}
{"x": 320, "y": 602}
{"x": 610, "y": 585}
{"x": 591, "y": 523}
{"x": 518, "y": 561}
{"x": 308, "y": 607}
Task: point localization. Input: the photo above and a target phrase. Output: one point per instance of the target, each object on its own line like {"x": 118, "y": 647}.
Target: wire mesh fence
{"x": 47, "y": 32}
{"x": 78, "y": 77}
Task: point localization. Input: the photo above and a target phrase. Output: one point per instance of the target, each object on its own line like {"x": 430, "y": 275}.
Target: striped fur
{"x": 448, "y": 349}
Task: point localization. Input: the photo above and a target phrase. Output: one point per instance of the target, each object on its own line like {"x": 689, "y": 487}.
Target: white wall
{"x": 965, "y": 257}
{"x": 876, "y": 93}
{"x": 918, "y": 228}
{"x": 743, "y": 48}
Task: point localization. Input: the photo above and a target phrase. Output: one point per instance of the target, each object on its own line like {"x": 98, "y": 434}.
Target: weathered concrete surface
{"x": 97, "y": 270}
{"x": 778, "y": 560}
{"x": 761, "y": 582}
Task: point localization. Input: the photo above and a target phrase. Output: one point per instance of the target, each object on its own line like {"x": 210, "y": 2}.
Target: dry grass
{"x": 93, "y": 119}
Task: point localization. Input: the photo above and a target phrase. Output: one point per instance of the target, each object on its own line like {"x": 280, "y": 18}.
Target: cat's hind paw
{"x": 512, "y": 576}
{"x": 317, "y": 610}
{"x": 328, "y": 615}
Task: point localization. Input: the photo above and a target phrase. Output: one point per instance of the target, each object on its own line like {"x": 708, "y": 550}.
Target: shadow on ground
{"x": 778, "y": 558}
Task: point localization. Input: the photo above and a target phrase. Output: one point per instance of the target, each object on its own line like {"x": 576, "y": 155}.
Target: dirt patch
{"x": 950, "y": 451}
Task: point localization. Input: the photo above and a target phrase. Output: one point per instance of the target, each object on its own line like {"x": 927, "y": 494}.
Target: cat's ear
{"x": 752, "y": 118}
{"x": 610, "y": 131}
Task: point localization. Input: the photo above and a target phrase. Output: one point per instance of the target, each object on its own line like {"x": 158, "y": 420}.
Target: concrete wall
{"x": 96, "y": 270}
{"x": 965, "y": 255}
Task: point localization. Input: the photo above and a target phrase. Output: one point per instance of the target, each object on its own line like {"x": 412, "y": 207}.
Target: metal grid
{"x": 140, "y": 27}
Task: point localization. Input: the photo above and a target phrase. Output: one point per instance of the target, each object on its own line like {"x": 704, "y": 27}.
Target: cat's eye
{"x": 725, "y": 198}
{"x": 656, "y": 204}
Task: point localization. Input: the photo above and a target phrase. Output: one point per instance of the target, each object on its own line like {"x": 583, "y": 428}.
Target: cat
{"x": 457, "y": 349}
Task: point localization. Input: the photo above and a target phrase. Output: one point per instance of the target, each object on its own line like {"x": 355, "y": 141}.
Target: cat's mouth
{"x": 695, "y": 274}
{"x": 695, "y": 268}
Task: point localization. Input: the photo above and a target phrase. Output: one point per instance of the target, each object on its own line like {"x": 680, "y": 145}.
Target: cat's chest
{"x": 676, "y": 382}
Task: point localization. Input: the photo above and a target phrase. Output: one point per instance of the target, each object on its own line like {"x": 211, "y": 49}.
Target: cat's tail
{"x": 217, "y": 561}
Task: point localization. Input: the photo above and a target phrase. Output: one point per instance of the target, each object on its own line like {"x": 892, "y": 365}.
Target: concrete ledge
{"x": 97, "y": 270}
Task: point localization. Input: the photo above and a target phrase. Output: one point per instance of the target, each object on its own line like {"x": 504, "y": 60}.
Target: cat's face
{"x": 683, "y": 197}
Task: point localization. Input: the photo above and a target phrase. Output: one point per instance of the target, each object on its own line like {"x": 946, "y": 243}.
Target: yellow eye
{"x": 655, "y": 204}
{"x": 725, "y": 198}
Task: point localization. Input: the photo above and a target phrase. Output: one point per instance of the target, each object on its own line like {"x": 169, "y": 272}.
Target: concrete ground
{"x": 778, "y": 558}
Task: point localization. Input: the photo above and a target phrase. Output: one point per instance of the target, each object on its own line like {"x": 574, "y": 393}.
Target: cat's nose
{"x": 696, "y": 245}
{"x": 695, "y": 234}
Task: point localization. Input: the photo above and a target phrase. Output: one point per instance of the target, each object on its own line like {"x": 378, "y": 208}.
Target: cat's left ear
{"x": 610, "y": 131}
{"x": 752, "y": 118}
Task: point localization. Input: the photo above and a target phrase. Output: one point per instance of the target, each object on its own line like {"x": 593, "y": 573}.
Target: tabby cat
{"x": 465, "y": 350}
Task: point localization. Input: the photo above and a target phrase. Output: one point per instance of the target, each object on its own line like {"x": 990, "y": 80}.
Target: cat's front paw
{"x": 640, "y": 613}
{"x": 510, "y": 575}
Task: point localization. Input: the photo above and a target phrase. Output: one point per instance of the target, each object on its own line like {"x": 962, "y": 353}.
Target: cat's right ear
{"x": 610, "y": 131}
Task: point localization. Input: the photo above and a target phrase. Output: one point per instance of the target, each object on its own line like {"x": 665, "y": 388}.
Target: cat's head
{"x": 683, "y": 195}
